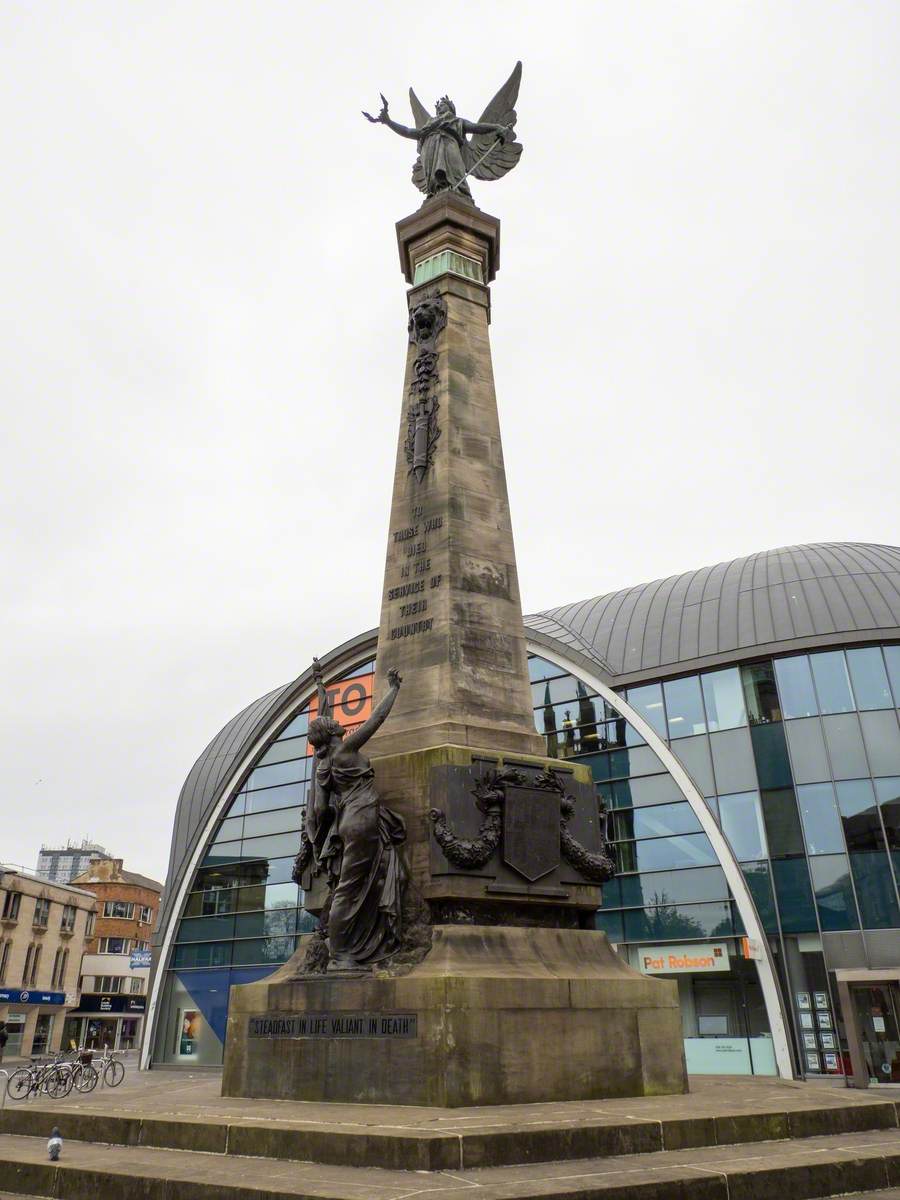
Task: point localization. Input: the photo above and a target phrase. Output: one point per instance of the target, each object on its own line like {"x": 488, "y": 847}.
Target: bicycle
{"x": 112, "y": 1071}
{"x": 85, "y": 1075}
{"x": 54, "y": 1079}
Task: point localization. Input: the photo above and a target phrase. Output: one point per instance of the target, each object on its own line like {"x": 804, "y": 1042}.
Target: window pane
{"x": 554, "y": 691}
{"x": 695, "y": 757}
{"x": 659, "y": 821}
{"x": 832, "y": 685}
{"x": 270, "y": 847}
{"x": 638, "y": 793}
{"x": 291, "y": 795}
{"x": 795, "y": 903}
{"x": 845, "y": 746}
{"x": 673, "y": 923}
{"x": 648, "y": 701}
{"x": 888, "y": 794}
{"x": 280, "y": 821}
{"x": 539, "y": 668}
{"x": 298, "y": 726}
{"x": 760, "y": 885}
{"x": 273, "y": 895}
{"x": 870, "y": 683}
{"x": 875, "y": 890}
{"x": 611, "y": 925}
{"x": 760, "y": 693}
{"x": 278, "y": 773}
{"x": 770, "y": 752}
{"x": 270, "y": 922}
{"x": 229, "y": 829}
{"x": 684, "y": 707}
{"x": 263, "y": 950}
{"x": 205, "y": 929}
{"x": 782, "y": 822}
{"x": 733, "y": 763}
{"x": 882, "y": 739}
{"x": 892, "y": 658}
{"x": 724, "y": 699}
{"x": 834, "y": 893}
{"x": 742, "y": 824}
{"x": 673, "y": 887}
{"x": 284, "y": 751}
{"x": 222, "y": 853}
{"x": 202, "y": 954}
{"x": 809, "y": 762}
{"x": 795, "y": 687}
{"x": 862, "y": 827}
{"x": 821, "y": 822}
{"x": 662, "y": 854}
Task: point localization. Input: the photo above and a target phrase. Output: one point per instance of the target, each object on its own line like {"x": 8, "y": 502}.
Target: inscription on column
{"x": 413, "y": 578}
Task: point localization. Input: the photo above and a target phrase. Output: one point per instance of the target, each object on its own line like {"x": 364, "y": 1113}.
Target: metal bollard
{"x": 5, "y": 1075}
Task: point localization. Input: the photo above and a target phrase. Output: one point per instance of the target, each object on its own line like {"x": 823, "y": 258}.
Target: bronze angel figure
{"x": 452, "y": 148}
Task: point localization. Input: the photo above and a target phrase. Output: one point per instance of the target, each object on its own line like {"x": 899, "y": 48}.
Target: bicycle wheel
{"x": 57, "y": 1083}
{"x": 19, "y": 1084}
{"x": 86, "y": 1077}
{"x": 113, "y": 1073}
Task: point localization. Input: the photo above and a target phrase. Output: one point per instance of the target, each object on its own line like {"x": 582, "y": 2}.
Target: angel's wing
{"x": 420, "y": 113}
{"x": 500, "y": 111}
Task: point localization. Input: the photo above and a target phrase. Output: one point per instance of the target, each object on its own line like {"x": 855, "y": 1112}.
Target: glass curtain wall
{"x": 799, "y": 761}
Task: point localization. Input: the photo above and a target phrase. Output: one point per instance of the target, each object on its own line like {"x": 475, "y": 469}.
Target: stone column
{"x": 451, "y": 616}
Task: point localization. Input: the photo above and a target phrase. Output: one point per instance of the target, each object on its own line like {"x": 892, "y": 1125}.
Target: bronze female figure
{"x": 353, "y": 837}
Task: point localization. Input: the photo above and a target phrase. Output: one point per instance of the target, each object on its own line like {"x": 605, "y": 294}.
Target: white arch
{"x": 729, "y": 864}
{"x": 727, "y": 861}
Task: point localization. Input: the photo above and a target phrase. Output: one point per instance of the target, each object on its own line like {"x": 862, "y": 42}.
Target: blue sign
{"x": 14, "y": 996}
{"x": 141, "y": 958}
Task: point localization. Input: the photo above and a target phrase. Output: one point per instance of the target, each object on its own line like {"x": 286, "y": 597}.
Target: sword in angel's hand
{"x": 475, "y": 165}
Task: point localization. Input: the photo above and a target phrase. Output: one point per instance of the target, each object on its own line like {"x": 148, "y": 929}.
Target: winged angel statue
{"x": 447, "y": 154}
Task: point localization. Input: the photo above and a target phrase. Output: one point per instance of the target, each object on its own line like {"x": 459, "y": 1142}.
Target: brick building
{"x": 116, "y": 962}
{"x": 43, "y": 931}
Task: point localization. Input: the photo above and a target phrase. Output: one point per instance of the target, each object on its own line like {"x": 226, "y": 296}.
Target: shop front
{"x": 106, "y": 1022}
{"x": 33, "y": 1019}
{"x": 871, "y": 1003}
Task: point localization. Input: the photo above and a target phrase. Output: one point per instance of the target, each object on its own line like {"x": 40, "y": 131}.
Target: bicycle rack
{"x": 5, "y": 1075}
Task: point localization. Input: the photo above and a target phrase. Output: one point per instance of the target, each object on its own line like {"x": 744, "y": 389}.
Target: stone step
{"x": 802, "y": 1169}
{"x": 526, "y": 1136}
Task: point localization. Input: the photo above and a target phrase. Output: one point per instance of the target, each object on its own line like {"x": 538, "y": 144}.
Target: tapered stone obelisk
{"x": 500, "y": 991}
{"x": 451, "y": 616}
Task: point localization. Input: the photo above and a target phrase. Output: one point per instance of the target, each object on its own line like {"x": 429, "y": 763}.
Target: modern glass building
{"x": 741, "y": 724}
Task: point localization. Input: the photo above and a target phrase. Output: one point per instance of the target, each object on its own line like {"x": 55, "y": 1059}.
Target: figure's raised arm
{"x": 360, "y": 736}
{"x": 384, "y": 119}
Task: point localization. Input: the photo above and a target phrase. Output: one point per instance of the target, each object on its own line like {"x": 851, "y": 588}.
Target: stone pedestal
{"x": 494, "y": 1015}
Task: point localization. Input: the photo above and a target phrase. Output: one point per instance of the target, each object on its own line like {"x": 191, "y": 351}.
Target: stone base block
{"x": 494, "y": 1015}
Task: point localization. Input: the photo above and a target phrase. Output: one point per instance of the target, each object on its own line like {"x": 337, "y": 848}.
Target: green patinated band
{"x": 448, "y": 261}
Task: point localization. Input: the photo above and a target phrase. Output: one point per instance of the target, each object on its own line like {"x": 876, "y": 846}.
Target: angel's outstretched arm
{"x": 360, "y": 736}
{"x": 384, "y": 119}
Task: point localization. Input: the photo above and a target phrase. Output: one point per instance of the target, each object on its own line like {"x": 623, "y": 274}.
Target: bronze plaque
{"x": 531, "y": 831}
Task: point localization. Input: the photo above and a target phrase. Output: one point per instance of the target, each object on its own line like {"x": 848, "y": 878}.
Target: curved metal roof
{"x": 766, "y": 603}
{"x": 771, "y": 602}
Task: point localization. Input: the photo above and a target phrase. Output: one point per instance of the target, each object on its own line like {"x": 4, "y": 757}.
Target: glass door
{"x": 877, "y": 1010}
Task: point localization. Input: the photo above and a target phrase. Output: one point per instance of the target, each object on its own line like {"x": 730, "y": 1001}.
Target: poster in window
{"x": 809, "y": 1041}
{"x": 821, "y": 999}
{"x": 824, "y": 1020}
{"x": 189, "y": 1032}
{"x": 831, "y": 1062}
{"x": 828, "y": 1042}
{"x": 803, "y": 999}
{"x": 812, "y": 1062}
{"x": 806, "y": 1020}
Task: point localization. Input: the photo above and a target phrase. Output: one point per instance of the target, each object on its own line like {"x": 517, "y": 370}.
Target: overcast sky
{"x": 695, "y": 336}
